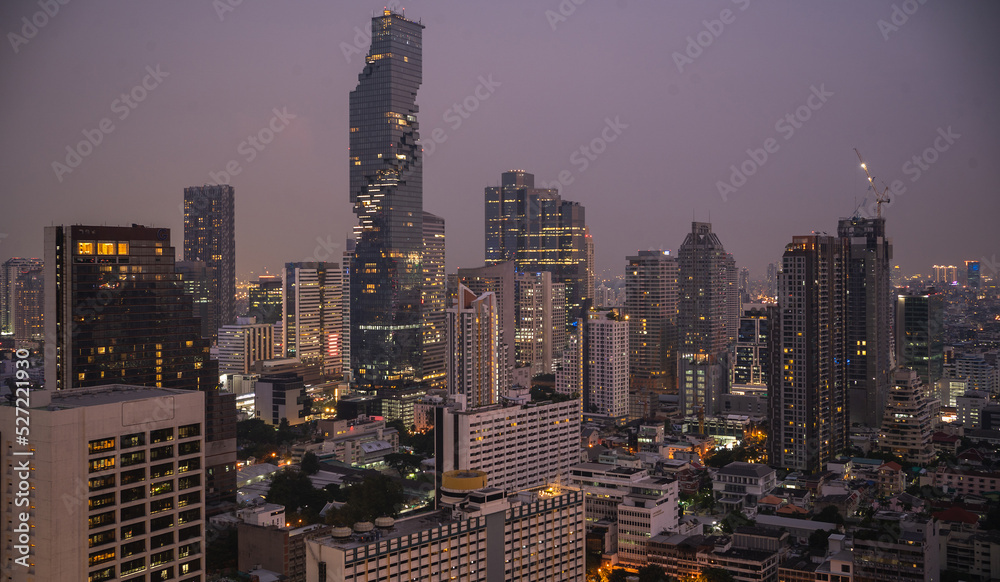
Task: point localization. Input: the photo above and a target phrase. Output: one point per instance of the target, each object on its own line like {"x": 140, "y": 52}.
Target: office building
{"x": 703, "y": 326}
{"x": 345, "y": 309}
{"x": 473, "y": 349}
{"x": 210, "y": 236}
{"x": 540, "y": 321}
{"x": 920, "y": 335}
{"x": 22, "y": 292}
{"x": 480, "y": 535}
{"x": 117, "y": 486}
{"x": 868, "y": 317}
{"x": 435, "y": 297}
{"x": 197, "y": 277}
{"x": 945, "y": 274}
{"x": 909, "y": 420}
{"x": 539, "y": 231}
{"x": 282, "y": 397}
{"x": 519, "y": 446}
{"x": 312, "y": 327}
{"x": 244, "y": 343}
{"x": 107, "y": 330}
{"x": 386, "y": 188}
{"x": 972, "y": 279}
{"x": 8, "y": 278}
{"x": 605, "y": 372}
{"x": 570, "y": 375}
{"x": 771, "y": 281}
{"x": 651, "y": 307}
{"x": 734, "y": 301}
{"x": 976, "y": 371}
{"x": 498, "y": 279}
{"x": 264, "y": 297}
{"x": 898, "y": 547}
{"x": 806, "y": 395}
{"x": 751, "y": 361}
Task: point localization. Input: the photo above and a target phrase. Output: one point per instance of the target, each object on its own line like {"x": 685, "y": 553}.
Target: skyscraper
{"x": 606, "y": 368}
{"x": 499, "y": 280}
{"x": 242, "y": 344}
{"x": 15, "y": 306}
{"x": 868, "y": 318}
{"x": 312, "y": 324}
{"x": 474, "y": 349}
{"x": 920, "y": 335}
{"x": 807, "y": 400}
{"x": 909, "y": 419}
{"x": 435, "y": 296}
{"x": 264, "y": 297}
{"x": 751, "y": 363}
{"x": 197, "y": 278}
{"x": 386, "y": 188}
{"x": 540, "y": 316}
{"x": 651, "y": 306}
{"x": 540, "y": 231}
{"x": 210, "y": 236}
{"x": 703, "y": 325}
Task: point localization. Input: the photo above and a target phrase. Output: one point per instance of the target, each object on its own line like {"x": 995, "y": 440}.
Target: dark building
{"x": 540, "y": 231}
{"x": 264, "y": 298}
{"x": 920, "y": 335}
{"x": 972, "y": 274}
{"x": 278, "y": 549}
{"x": 751, "y": 363}
{"x": 386, "y": 188}
{"x": 806, "y": 398}
{"x": 21, "y": 298}
{"x": 651, "y": 306}
{"x": 869, "y": 317}
{"x": 197, "y": 277}
{"x": 210, "y": 236}
{"x": 120, "y": 315}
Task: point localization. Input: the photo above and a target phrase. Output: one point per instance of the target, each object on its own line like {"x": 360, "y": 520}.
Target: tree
{"x": 652, "y": 573}
{"x": 734, "y": 520}
{"x": 717, "y": 575}
{"x": 830, "y": 514}
{"x": 818, "y": 539}
{"x": 402, "y": 462}
{"x": 310, "y": 463}
{"x": 293, "y": 489}
{"x": 618, "y": 575}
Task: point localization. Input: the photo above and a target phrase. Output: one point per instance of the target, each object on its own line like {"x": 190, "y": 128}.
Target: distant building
{"x": 210, "y": 237}
{"x": 651, "y": 306}
{"x": 898, "y": 545}
{"x": 282, "y": 397}
{"x": 22, "y": 286}
{"x": 498, "y": 279}
{"x": 312, "y": 325}
{"x": 473, "y": 354}
{"x": 276, "y": 549}
{"x": 434, "y": 300}
{"x": 920, "y": 335}
{"x": 739, "y": 485}
{"x": 605, "y": 383}
{"x": 244, "y": 343}
{"x": 751, "y": 363}
{"x": 909, "y": 421}
{"x": 264, "y": 297}
{"x": 540, "y": 321}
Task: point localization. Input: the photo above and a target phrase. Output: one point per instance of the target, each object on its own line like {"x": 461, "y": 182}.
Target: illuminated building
{"x": 972, "y": 274}
{"x": 909, "y": 419}
{"x": 210, "y": 236}
{"x": 651, "y": 306}
{"x": 806, "y": 395}
{"x": 868, "y": 317}
{"x": 265, "y": 299}
{"x": 499, "y": 280}
{"x": 945, "y": 274}
{"x": 312, "y": 324}
{"x": 386, "y": 188}
{"x": 751, "y": 361}
{"x": 196, "y": 277}
{"x": 920, "y": 335}
{"x": 605, "y": 391}
{"x": 540, "y": 328}
{"x": 474, "y": 349}
{"x": 242, "y": 344}
{"x": 22, "y": 285}
{"x": 540, "y": 231}
{"x": 435, "y": 341}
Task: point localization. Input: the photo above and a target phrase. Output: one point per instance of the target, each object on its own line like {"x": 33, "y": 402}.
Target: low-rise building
{"x": 739, "y": 485}
{"x": 966, "y": 481}
{"x": 276, "y": 549}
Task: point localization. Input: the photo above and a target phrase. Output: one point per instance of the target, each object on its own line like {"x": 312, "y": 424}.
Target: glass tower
{"x": 387, "y": 193}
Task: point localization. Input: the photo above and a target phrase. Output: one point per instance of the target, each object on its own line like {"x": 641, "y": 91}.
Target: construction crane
{"x": 880, "y": 197}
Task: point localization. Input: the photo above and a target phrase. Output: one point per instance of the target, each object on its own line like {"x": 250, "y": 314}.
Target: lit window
{"x": 105, "y": 248}
{"x": 84, "y": 248}
{"x": 123, "y": 248}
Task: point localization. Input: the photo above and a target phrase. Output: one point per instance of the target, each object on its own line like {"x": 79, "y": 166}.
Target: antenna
{"x": 880, "y": 197}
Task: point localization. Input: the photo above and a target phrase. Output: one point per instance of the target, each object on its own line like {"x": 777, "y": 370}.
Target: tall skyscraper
{"x": 312, "y": 330}
{"x": 435, "y": 297}
{"x": 751, "y": 362}
{"x": 197, "y": 278}
{"x": 19, "y": 290}
{"x": 264, "y": 297}
{"x": 909, "y": 419}
{"x": 703, "y": 325}
{"x": 499, "y": 280}
{"x": 210, "y": 236}
{"x": 474, "y": 349}
{"x": 807, "y": 400}
{"x": 920, "y": 335}
{"x": 569, "y": 376}
{"x": 540, "y": 231}
{"x": 972, "y": 278}
{"x": 651, "y": 306}
{"x": 772, "y": 280}
{"x": 540, "y": 316}
{"x": 868, "y": 318}
{"x": 386, "y": 188}
{"x": 118, "y": 485}
{"x": 606, "y": 369}
{"x": 118, "y": 313}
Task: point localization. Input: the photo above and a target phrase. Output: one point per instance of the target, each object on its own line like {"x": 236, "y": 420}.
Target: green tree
{"x": 402, "y": 463}
{"x": 652, "y": 573}
{"x": 830, "y": 514}
{"x": 310, "y": 463}
{"x": 717, "y": 575}
{"x": 618, "y": 575}
{"x": 293, "y": 489}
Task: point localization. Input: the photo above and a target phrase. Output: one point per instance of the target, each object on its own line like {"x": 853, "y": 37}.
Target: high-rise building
{"x": 473, "y": 349}
{"x": 435, "y": 297}
{"x": 909, "y": 419}
{"x": 920, "y": 335}
{"x": 312, "y": 324}
{"x": 706, "y": 275}
{"x": 264, "y": 298}
{"x": 197, "y": 277}
{"x": 210, "y": 236}
{"x": 242, "y": 344}
{"x": 744, "y": 285}
{"x": 519, "y": 445}
{"x": 945, "y": 274}
{"x": 118, "y": 313}
{"x": 22, "y": 292}
{"x": 972, "y": 274}
{"x": 751, "y": 361}
{"x": 345, "y": 310}
{"x": 117, "y": 479}
{"x": 651, "y": 306}
{"x": 540, "y": 316}
{"x": 734, "y": 304}
{"x": 386, "y": 188}
{"x": 605, "y": 372}
{"x": 569, "y": 376}
{"x": 807, "y": 401}
{"x": 498, "y": 279}
{"x": 868, "y": 317}
{"x": 540, "y": 231}
{"x": 772, "y": 280}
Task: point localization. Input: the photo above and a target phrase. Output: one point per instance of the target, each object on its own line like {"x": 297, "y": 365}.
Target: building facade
{"x": 22, "y": 287}
{"x": 434, "y": 300}
{"x": 312, "y": 327}
{"x": 210, "y": 236}
{"x": 909, "y": 420}
{"x": 651, "y": 306}
{"x": 264, "y": 298}
{"x": 473, "y": 354}
{"x": 244, "y": 343}
{"x": 920, "y": 335}
{"x": 606, "y": 349}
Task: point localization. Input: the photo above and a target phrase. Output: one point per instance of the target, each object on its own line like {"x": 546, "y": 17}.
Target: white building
{"x": 606, "y": 347}
{"x": 116, "y": 485}
{"x": 279, "y": 396}
{"x": 481, "y": 535}
{"x": 473, "y": 358}
{"x": 739, "y": 485}
{"x": 540, "y": 316}
{"x": 243, "y": 344}
{"x": 569, "y": 377}
{"x": 267, "y": 514}
{"x": 312, "y": 327}
{"x": 520, "y": 446}
{"x": 969, "y": 407}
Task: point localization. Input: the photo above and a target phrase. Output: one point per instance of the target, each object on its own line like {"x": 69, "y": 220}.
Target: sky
{"x": 650, "y": 113}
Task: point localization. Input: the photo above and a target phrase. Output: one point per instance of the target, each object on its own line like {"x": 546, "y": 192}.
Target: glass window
{"x": 105, "y": 248}
{"x": 159, "y": 436}
{"x": 189, "y": 430}
{"x": 129, "y": 459}
{"x": 133, "y": 548}
{"x": 102, "y": 464}
{"x": 101, "y": 519}
{"x": 133, "y": 440}
{"x": 105, "y": 500}
{"x": 133, "y": 512}
{"x": 158, "y": 523}
{"x": 102, "y": 556}
{"x": 122, "y": 248}
{"x": 101, "y": 538}
{"x": 85, "y": 248}
{"x": 133, "y": 476}
{"x": 133, "y": 494}
{"x": 131, "y": 531}
{"x": 98, "y": 483}
{"x": 157, "y": 471}
{"x": 102, "y": 575}
{"x": 189, "y": 448}
{"x": 99, "y": 445}
{"x": 161, "y": 453}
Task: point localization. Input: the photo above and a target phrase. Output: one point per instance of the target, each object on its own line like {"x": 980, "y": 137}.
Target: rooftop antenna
{"x": 880, "y": 197}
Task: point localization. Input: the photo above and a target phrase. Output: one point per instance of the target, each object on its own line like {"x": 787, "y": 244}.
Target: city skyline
{"x": 906, "y": 99}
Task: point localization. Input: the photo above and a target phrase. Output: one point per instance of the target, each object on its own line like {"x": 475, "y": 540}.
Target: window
{"x": 188, "y": 533}
{"x": 136, "y": 529}
{"x": 129, "y": 459}
{"x": 98, "y": 483}
{"x": 161, "y": 505}
{"x": 189, "y": 515}
{"x": 133, "y": 566}
{"x": 122, "y": 248}
{"x": 161, "y": 453}
{"x": 101, "y": 538}
{"x": 101, "y": 519}
{"x": 188, "y": 482}
{"x": 134, "y": 512}
{"x": 189, "y": 465}
{"x": 100, "y": 445}
{"x": 164, "y": 470}
{"x": 85, "y": 247}
{"x": 105, "y": 500}
{"x": 133, "y": 440}
{"x": 133, "y": 476}
{"x": 189, "y": 549}
{"x": 189, "y": 448}
{"x": 189, "y": 498}
{"x": 102, "y": 575}
{"x": 105, "y": 248}
{"x": 158, "y": 523}
{"x": 102, "y": 556}
{"x": 192, "y": 566}
{"x": 102, "y": 464}
{"x": 162, "y": 435}
{"x": 161, "y": 488}
{"x": 189, "y": 430}
{"x": 161, "y": 558}
{"x": 157, "y": 542}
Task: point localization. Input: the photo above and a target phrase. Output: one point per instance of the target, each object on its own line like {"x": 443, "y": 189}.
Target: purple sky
{"x": 555, "y": 83}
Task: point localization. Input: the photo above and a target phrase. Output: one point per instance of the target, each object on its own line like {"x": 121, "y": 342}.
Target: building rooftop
{"x": 741, "y": 469}
{"x": 109, "y": 394}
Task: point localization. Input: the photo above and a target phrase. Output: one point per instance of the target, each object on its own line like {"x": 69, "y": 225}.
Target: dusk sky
{"x": 541, "y": 79}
